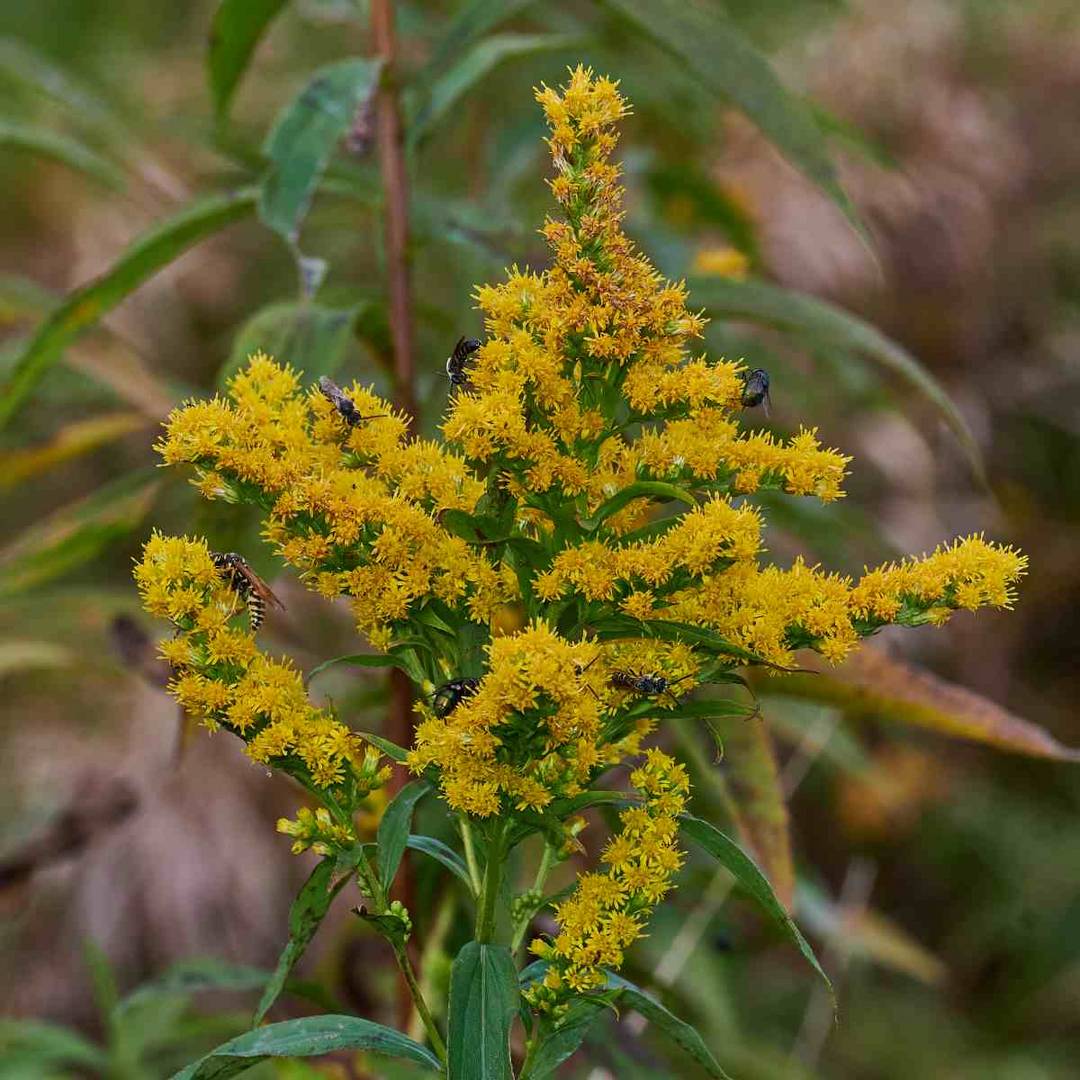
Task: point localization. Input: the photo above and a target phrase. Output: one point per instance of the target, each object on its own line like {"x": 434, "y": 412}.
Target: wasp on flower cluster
{"x": 458, "y": 362}
{"x": 251, "y": 588}
{"x": 344, "y": 404}
{"x": 647, "y": 685}
{"x": 450, "y": 695}
{"x": 756, "y": 389}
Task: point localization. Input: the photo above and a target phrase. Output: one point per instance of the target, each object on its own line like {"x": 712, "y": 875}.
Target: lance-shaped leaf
{"x": 568, "y": 1035}
{"x": 874, "y": 683}
{"x": 701, "y": 36}
{"x": 307, "y": 912}
{"x": 311, "y": 1036}
{"x": 305, "y": 135}
{"x": 34, "y": 1048}
{"x": 75, "y": 534}
{"x": 756, "y": 797}
{"x": 868, "y": 934}
{"x": 642, "y": 489}
{"x": 440, "y": 852}
{"x": 86, "y": 306}
{"x": 473, "y": 19}
{"x": 827, "y": 324}
{"x": 750, "y": 878}
{"x": 390, "y": 749}
{"x": 72, "y": 441}
{"x": 364, "y": 660}
{"x": 471, "y": 68}
{"x": 63, "y": 148}
{"x": 234, "y": 33}
{"x": 680, "y": 1031}
{"x": 483, "y": 1000}
{"x": 395, "y": 826}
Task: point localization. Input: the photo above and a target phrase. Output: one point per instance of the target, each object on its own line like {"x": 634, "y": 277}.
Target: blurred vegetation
{"x": 920, "y": 304}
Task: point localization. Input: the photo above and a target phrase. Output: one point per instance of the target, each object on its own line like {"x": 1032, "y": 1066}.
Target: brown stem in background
{"x": 395, "y": 182}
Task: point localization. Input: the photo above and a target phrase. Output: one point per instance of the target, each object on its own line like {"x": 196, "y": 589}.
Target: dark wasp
{"x": 457, "y": 363}
{"x": 647, "y": 685}
{"x": 344, "y": 404}
{"x": 450, "y": 695}
{"x": 756, "y": 389}
{"x": 251, "y": 588}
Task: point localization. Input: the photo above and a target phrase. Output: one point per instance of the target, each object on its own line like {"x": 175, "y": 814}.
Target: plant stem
{"x": 489, "y": 892}
{"x": 395, "y": 182}
{"x": 470, "y": 854}
{"x": 547, "y": 862}
{"x": 405, "y": 964}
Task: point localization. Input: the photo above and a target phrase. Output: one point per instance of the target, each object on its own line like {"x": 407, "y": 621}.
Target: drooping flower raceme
{"x": 577, "y": 554}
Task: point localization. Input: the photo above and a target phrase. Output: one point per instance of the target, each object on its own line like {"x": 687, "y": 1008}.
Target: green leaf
{"x": 770, "y": 305}
{"x": 308, "y": 1037}
{"x": 390, "y": 749}
{"x": 642, "y": 489}
{"x": 307, "y": 912}
{"x": 567, "y": 1037}
{"x": 38, "y": 1046}
{"x": 192, "y": 976}
{"x": 20, "y": 63}
{"x": 442, "y": 853}
{"x": 483, "y": 1001}
{"x": 391, "y": 927}
{"x": 745, "y": 871}
{"x": 623, "y": 626}
{"x": 395, "y": 826}
{"x": 310, "y": 337}
{"x": 701, "y": 36}
{"x": 472, "y": 21}
{"x": 304, "y": 137}
{"x": 685, "y": 1036}
{"x": 62, "y": 148}
{"x": 234, "y": 33}
{"x": 86, "y": 306}
{"x": 471, "y": 68}
{"x": 367, "y": 660}
{"x": 77, "y": 533}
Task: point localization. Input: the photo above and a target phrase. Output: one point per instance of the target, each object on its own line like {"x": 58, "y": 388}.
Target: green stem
{"x": 547, "y": 863}
{"x": 470, "y": 854}
{"x": 489, "y": 892}
{"x": 405, "y": 964}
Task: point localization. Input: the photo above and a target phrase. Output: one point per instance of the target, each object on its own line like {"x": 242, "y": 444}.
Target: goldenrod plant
{"x": 558, "y": 576}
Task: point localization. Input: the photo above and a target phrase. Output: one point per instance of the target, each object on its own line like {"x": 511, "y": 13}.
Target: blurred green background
{"x": 941, "y": 878}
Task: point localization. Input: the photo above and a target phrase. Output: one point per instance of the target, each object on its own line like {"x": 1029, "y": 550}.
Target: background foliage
{"x": 155, "y": 233}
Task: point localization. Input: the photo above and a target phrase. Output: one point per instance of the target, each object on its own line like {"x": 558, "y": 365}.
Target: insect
{"x": 344, "y": 404}
{"x": 251, "y": 588}
{"x": 649, "y": 685}
{"x": 756, "y": 389}
{"x": 457, "y": 363}
{"x": 450, "y": 695}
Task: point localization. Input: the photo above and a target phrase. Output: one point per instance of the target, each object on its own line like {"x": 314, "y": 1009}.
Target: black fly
{"x": 450, "y": 695}
{"x": 344, "y": 404}
{"x": 251, "y": 588}
{"x": 457, "y": 363}
{"x": 756, "y": 389}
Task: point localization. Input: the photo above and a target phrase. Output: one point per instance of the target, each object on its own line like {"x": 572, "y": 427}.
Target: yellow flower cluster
{"x": 707, "y": 538}
{"x": 531, "y": 732}
{"x": 607, "y": 912}
{"x": 600, "y": 334}
{"x": 354, "y": 508}
{"x": 223, "y": 680}
{"x": 772, "y": 611}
